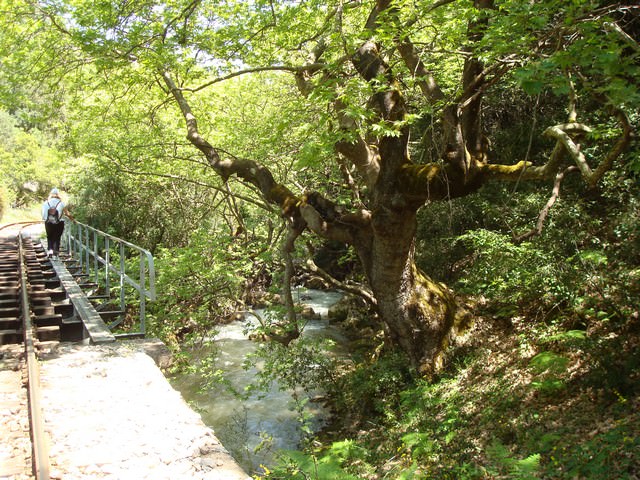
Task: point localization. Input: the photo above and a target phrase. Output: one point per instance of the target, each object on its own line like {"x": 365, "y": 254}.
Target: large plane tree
{"x": 405, "y": 84}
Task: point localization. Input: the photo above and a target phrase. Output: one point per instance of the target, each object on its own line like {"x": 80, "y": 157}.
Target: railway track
{"x": 31, "y": 305}
{"x": 110, "y": 413}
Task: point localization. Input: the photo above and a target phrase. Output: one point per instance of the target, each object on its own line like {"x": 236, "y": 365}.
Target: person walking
{"x": 53, "y": 208}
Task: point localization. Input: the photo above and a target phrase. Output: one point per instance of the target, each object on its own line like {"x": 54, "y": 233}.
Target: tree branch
{"x": 621, "y": 145}
{"x": 555, "y": 193}
{"x": 349, "y": 180}
{"x": 309, "y": 68}
{"x": 143, "y": 173}
{"x": 427, "y": 83}
{"x": 364, "y": 157}
{"x": 355, "y": 289}
{"x": 323, "y": 221}
{"x": 615, "y": 28}
{"x": 248, "y": 170}
{"x": 480, "y": 84}
{"x": 287, "y": 249}
{"x": 558, "y": 132}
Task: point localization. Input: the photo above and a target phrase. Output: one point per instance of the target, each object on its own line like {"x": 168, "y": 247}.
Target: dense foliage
{"x": 547, "y": 382}
{"x": 544, "y": 382}
{"x": 29, "y": 162}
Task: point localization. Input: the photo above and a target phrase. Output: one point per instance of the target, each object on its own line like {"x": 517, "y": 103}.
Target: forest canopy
{"x": 350, "y": 116}
{"x": 370, "y": 111}
{"x": 467, "y": 170}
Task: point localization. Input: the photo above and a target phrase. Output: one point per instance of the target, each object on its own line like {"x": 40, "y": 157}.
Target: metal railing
{"x": 105, "y": 259}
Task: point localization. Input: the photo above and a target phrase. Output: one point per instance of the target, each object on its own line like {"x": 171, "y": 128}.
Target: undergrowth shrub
{"x": 196, "y": 288}
{"x": 372, "y": 389}
{"x": 3, "y": 201}
{"x": 513, "y": 273}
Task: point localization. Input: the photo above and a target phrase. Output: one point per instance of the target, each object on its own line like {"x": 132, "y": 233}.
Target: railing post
{"x": 107, "y": 262}
{"x": 67, "y": 236}
{"x": 86, "y": 252}
{"x": 122, "y": 276}
{"x": 79, "y": 244}
{"x": 95, "y": 256}
{"x": 142, "y": 284}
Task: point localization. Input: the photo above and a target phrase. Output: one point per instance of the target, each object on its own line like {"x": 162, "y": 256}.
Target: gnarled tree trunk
{"x": 421, "y": 315}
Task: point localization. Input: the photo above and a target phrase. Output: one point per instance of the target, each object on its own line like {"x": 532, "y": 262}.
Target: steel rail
{"x": 25, "y": 224}
{"x": 40, "y": 446}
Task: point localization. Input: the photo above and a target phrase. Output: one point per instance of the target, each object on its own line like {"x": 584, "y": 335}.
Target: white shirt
{"x": 51, "y": 203}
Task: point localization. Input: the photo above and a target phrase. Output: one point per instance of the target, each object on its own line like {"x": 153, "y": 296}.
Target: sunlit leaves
{"x": 566, "y": 45}
{"x": 28, "y": 164}
{"x": 522, "y": 469}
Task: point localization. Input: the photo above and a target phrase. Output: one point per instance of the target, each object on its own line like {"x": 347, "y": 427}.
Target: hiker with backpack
{"x": 53, "y": 208}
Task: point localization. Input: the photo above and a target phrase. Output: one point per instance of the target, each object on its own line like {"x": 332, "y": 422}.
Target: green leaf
{"x": 594, "y": 257}
{"x": 570, "y": 335}
{"x": 548, "y": 362}
{"x": 527, "y": 467}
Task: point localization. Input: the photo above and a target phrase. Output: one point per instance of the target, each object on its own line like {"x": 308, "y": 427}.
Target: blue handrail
{"x": 93, "y": 251}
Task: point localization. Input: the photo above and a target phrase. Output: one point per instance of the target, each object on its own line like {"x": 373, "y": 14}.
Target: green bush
{"x": 372, "y": 389}
{"x": 514, "y": 273}
{"x": 196, "y": 287}
{"x": 3, "y": 201}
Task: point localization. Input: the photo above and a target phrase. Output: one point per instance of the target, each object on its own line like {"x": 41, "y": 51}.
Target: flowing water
{"x": 253, "y": 429}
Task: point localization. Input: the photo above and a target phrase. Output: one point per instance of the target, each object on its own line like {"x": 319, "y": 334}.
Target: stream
{"x": 253, "y": 429}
